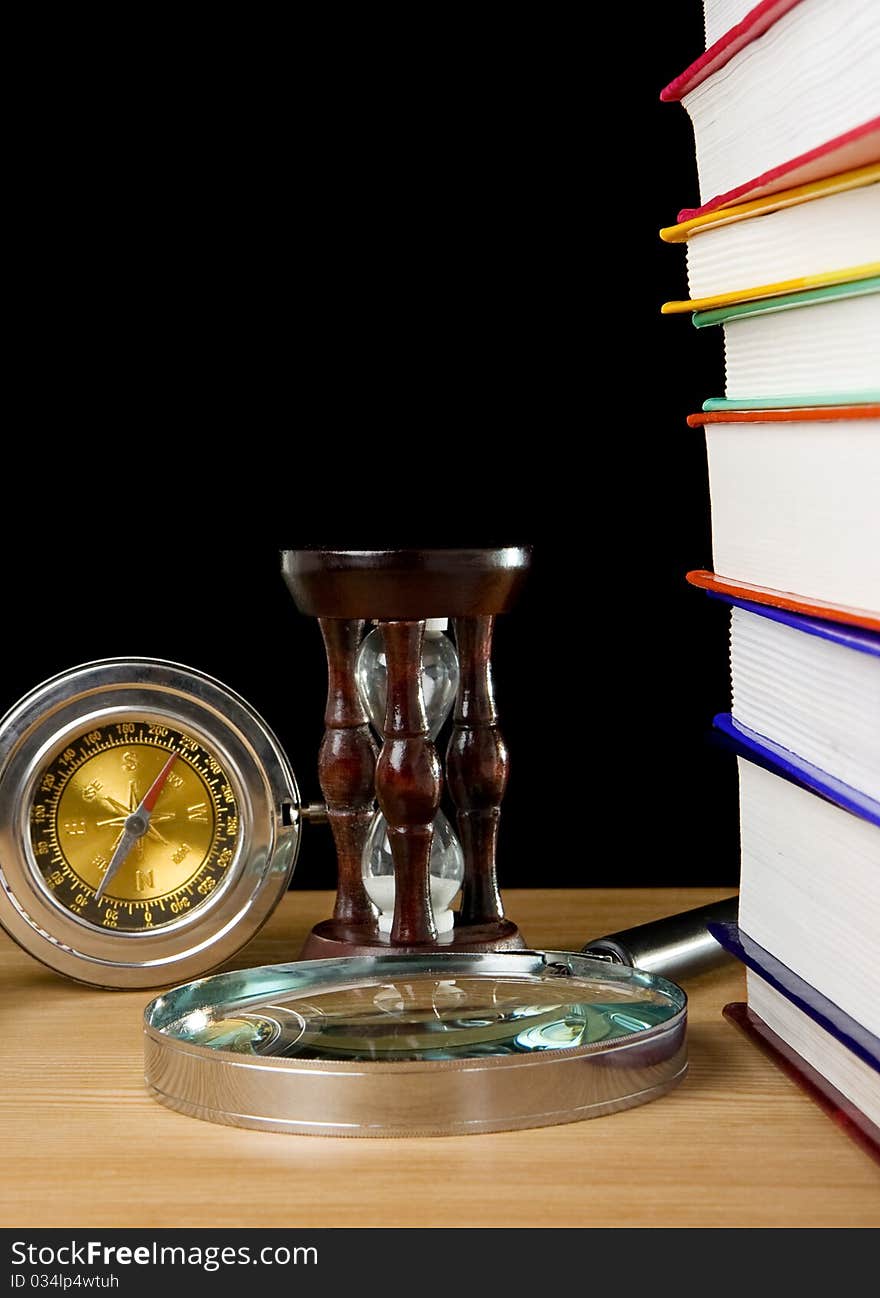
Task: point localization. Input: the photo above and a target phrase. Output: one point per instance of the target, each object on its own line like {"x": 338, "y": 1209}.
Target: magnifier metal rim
{"x": 260, "y": 871}
{"x": 412, "y": 1097}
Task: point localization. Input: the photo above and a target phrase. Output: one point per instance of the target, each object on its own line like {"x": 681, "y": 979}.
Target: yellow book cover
{"x": 838, "y": 184}
{"x": 844, "y": 275}
{"x": 784, "y": 243}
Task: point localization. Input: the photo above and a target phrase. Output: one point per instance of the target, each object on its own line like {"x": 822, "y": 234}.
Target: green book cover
{"x": 867, "y": 397}
{"x": 787, "y": 302}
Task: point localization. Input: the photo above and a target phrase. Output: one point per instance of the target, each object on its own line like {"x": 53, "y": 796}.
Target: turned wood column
{"x": 476, "y": 768}
{"x": 408, "y": 784}
{"x": 346, "y": 766}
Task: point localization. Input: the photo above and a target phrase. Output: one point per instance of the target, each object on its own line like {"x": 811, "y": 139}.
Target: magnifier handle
{"x": 677, "y": 947}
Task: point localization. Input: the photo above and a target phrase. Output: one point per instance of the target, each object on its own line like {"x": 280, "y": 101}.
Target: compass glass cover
{"x": 86, "y": 795}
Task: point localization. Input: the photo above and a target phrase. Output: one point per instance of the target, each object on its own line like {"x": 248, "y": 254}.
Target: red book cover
{"x": 756, "y": 22}
{"x": 854, "y": 148}
{"x": 859, "y": 147}
{"x": 837, "y": 1106}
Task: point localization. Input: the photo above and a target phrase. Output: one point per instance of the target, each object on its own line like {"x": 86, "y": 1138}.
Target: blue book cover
{"x": 780, "y": 761}
{"x": 850, "y": 637}
{"x": 863, "y": 1044}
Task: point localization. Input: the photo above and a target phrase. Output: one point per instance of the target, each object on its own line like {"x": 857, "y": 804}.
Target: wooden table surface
{"x": 736, "y": 1145}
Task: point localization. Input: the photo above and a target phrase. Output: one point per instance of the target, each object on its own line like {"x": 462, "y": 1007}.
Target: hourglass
{"x": 400, "y": 865}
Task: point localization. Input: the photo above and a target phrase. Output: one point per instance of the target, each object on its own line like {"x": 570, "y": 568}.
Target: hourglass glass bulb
{"x": 446, "y": 872}
{"x": 439, "y": 676}
{"x": 439, "y": 681}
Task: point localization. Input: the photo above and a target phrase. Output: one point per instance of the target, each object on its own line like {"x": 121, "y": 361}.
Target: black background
{"x": 422, "y": 311}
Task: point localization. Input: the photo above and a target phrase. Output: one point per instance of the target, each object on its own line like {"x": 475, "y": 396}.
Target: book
{"x": 788, "y": 81}
{"x": 851, "y": 1076}
{"x": 775, "y": 202}
{"x": 794, "y": 502}
{"x": 823, "y": 339}
{"x": 859, "y": 147}
{"x": 810, "y": 873}
{"x": 783, "y": 599}
{"x": 842, "y": 1111}
{"x": 826, "y": 1051}
{"x": 826, "y": 233}
{"x": 810, "y": 686}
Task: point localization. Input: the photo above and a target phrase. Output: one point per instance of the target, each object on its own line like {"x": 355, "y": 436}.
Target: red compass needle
{"x": 152, "y": 793}
{"x": 136, "y": 825}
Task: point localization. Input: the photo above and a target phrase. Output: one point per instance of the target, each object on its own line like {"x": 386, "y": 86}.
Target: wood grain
{"x": 408, "y": 784}
{"x": 736, "y": 1145}
{"x": 477, "y": 768}
{"x": 405, "y": 585}
{"x": 347, "y": 768}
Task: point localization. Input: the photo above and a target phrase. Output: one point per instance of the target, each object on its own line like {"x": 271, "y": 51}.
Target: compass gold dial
{"x": 86, "y": 797}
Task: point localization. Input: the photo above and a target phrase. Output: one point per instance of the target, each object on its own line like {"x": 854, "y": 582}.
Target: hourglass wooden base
{"x": 333, "y": 938}
{"x": 399, "y": 589}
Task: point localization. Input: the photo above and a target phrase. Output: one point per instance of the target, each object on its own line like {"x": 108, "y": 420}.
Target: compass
{"x": 149, "y": 823}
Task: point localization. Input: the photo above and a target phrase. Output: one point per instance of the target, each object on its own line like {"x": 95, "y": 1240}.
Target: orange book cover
{"x": 787, "y": 415}
{"x": 789, "y": 600}
{"x": 784, "y": 599}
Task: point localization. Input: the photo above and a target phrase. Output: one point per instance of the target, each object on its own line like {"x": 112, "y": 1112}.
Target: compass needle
{"x": 137, "y": 824}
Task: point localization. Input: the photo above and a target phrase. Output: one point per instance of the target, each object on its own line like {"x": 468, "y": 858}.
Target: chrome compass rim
{"x": 38, "y": 725}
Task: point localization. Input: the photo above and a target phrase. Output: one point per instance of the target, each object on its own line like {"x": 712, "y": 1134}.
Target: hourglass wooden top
{"x": 405, "y": 584}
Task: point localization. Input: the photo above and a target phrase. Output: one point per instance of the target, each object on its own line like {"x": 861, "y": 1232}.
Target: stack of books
{"x": 784, "y": 255}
